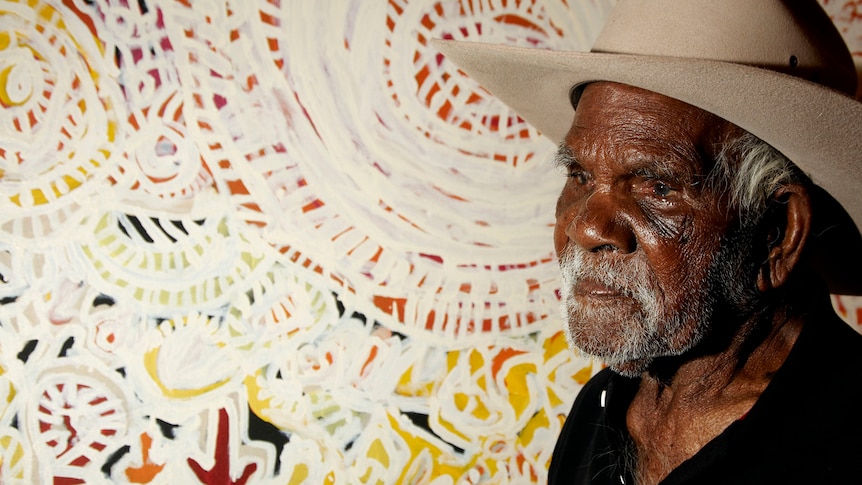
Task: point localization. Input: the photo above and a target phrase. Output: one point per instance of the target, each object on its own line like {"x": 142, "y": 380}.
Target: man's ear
{"x": 787, "y": 227}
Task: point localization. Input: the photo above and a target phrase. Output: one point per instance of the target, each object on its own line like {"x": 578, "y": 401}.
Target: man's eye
{"x": 578, "y": 177}
{"x": 662, "y": 189}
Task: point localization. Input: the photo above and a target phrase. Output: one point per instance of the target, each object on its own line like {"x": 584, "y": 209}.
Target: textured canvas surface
{"x": 263, "y": 241}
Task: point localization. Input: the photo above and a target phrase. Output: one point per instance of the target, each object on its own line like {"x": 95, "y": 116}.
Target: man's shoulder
{"x": 587, "y": 448}
{"x": 819, "y": 387}
{"x": 835, "y": 342}
{"x": 605, "y": 396}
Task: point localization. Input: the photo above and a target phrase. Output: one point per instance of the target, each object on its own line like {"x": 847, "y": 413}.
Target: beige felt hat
{"x": 778, "y": 69}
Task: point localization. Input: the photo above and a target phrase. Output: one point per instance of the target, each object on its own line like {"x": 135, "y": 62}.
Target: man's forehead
{"x": 609, "y": 98}
{"x": 620, "y": 112}
{"x": 636, "y": 127}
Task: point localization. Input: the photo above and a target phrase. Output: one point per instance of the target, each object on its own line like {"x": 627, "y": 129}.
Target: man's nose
{"x": 601, "y": 222}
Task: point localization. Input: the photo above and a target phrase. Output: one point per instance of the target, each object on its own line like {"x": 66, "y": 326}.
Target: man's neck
{"x": 676, "y": 412}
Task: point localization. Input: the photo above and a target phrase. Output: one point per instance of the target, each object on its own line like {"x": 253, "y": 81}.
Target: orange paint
{"x": 839, "y": 306}
{"x": 148, "y": 471}
{"x": 392, "y": 306}
{"x": 502, "y": 357}
{"x": 371, "y": 356}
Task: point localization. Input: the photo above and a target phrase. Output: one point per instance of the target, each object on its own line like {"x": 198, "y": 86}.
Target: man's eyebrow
{"x": 565, "y": 157}
{"x": 657, "y": 168}
{"x": 666, "y": 169}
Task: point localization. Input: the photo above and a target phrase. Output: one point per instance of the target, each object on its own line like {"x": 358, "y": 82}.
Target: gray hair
{"x": 760, "y": 171}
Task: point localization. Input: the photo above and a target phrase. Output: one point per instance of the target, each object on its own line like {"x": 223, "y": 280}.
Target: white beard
{"x": 627, "y": 333}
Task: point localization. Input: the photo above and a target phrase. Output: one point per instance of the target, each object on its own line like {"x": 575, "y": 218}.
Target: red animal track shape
{"x": 220, "y": 472}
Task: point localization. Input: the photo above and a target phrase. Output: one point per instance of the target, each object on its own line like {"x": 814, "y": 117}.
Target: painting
{"x": 280, "y": 242}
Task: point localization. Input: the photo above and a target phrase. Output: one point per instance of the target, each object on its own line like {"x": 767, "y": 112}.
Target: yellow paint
{"x": 118, "y": 250}
{"x": 48, "y": 15}
{"x": 17, "y": 455}
{"x": 46, "y": 12}
{"x": 477, "y": 361}
{"x": 39, "y": 197}
{"x": 71, "y": 182}
{"x": 583, "y": 375}
{"x": 407, "y": 387}
{"x": 538, "y": 421}
{"x": 555, "y": 345}
{"x": 378, "y": 452}
{"x": 11, "y": 392}
{"x": 112, "y": 134}
{"x": 516, "y": 380}
{"x": 151, "y": 364}
{"x": 4, "y": 93}
{"x": 442, "y": 463}
{"x": 299, "y": 475}
{"x": 257, "y": 405}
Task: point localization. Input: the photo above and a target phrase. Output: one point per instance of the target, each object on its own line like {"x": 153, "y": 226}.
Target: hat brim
{"x": 817, "y": 128}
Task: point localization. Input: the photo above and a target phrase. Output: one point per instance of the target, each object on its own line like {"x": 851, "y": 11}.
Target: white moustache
{"x": 626, "y": 276}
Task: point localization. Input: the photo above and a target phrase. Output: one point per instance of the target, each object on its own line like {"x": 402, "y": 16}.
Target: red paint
{"x": 220, "y": 472}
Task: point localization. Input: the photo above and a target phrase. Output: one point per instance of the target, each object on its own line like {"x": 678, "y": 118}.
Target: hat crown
{"x": 792, "y": 36}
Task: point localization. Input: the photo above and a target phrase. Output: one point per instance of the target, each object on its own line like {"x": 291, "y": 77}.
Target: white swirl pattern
{"x": 278, "y": 241}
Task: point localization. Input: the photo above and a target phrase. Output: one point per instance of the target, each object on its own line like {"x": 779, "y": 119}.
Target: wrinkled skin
{"x": 635, "y": 205}
{"x": 662, "y": 280}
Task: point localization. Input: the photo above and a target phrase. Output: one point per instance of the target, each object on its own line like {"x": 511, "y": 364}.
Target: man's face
{"x": 639, "y": 233}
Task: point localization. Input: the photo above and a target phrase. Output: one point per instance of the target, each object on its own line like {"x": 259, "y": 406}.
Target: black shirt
{"x": 805, "y": 428}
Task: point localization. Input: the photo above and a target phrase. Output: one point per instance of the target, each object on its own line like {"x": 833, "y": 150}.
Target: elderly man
{"x": 713, "y": 176}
